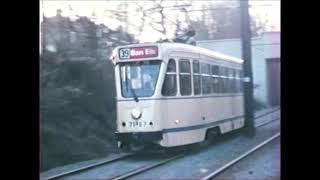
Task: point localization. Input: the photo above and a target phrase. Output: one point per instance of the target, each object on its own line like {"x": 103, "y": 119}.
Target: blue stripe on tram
{"x": 189, "y": 128}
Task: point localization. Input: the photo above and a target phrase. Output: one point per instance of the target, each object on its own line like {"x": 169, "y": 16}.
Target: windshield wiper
{"x": 130, "y": 86}
{"x": 134, "y": 93}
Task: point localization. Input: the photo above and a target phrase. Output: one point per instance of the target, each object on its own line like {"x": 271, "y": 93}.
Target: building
{"x": 265, "y": 63}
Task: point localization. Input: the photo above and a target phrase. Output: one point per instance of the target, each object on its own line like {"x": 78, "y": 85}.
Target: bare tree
{"x": 156, "y": 16}
{"x": 222, "y": 21}
{"x": 140, "y": 9}
{"x": 159, "y": 25}
{"x": 218, "y": 21}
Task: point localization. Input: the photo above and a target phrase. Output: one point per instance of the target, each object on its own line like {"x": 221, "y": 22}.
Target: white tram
{"x": 173, "y": 94}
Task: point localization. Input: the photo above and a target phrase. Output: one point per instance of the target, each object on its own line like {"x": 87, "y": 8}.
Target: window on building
{"x": 205, "y": 78}
{"x": 170, "y": 82}
{"x": 196, "y": 78}
{"x": 185, "y": 77}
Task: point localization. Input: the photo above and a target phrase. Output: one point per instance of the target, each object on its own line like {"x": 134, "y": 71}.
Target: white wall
{"x": 265, "y": 46}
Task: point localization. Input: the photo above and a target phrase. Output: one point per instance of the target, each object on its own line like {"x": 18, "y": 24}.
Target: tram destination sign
{"x": 138, "y": 52}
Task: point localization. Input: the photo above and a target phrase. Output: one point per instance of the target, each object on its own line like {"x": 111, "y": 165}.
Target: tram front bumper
{"x": 139, "y": 136}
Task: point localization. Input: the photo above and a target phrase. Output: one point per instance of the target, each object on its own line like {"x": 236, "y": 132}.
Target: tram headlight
{"x": 136, "y": 113}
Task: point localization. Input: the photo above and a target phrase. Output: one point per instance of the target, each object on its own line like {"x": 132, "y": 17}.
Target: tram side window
{"x": 223, "y": 80}
{"x": 220, "y": 80}
{"x": 238, "y": 83}
{"x": 205, "y": 78}
{"x": 241, "y": 84}
{"x": 185, "y": 77}
{"x": 231, "y": 80}
{"x": 234, "y": 84}
{"x": 226, "y": 80}
{"x": 215, "y": 83}
{"x": 196, "y": 77}
{"x": 170, "y": 82}
{"x": 235, "y": 81}
{"x": 211, "y": 78}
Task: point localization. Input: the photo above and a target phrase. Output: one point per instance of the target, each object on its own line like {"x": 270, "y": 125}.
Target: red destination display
{"x": 138, "y": 52}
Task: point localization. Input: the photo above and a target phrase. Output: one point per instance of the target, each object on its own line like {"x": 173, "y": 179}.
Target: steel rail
{"x": 139, "y": 170}
{"x": 73, "y": 171}
{"x": 234, "y": 161}
{"x": 264, "y": 114}
{"x": 146, "y": 168}
{"x": 266, "y": 122}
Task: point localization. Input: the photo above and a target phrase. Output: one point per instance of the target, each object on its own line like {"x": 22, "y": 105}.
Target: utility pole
{"x": 247, "y": 67}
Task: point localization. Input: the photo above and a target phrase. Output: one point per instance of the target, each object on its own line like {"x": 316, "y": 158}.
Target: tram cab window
{"x": 185, "y": 77}
{"x": 139, "y": 78}
{"x": 196, "y": 77}
{"x": 205, "y": 78}
{"x": 170, "y": 82}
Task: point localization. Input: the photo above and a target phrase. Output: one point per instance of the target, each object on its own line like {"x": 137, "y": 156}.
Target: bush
{"x": 77, "y": 110}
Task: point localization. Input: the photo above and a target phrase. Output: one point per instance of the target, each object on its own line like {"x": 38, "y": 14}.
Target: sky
{"x": 263, "y": 9}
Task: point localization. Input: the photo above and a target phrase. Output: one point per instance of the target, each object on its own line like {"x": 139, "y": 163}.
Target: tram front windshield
{"x": 139, "y": 78}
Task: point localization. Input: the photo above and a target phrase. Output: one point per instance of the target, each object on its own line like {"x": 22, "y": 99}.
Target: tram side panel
{"x": 216, "y": 110}
{"x": 182, "y": 124}
{"x": 235, "y": 118}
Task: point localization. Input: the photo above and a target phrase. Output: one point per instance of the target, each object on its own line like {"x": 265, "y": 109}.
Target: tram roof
{"x": 167, "y": 46}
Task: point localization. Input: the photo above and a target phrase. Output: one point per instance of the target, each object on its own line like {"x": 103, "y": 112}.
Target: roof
{"x": 165, "y": 47}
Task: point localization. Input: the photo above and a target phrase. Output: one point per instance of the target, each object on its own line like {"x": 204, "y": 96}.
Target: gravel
{"x": 263, "y": 164}
{"x": 200, "y": 162}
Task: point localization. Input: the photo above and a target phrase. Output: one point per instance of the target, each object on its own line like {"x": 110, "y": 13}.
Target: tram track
{"x": 266, "y": 113}
{"x": 266, "y": 122}
{"x": 249, "y": 152}
{"x": 144, "y": 168}
{"x": 258, "y": 124}
{"x": 87, "y": 167}
{"x": 239, "y": 158}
